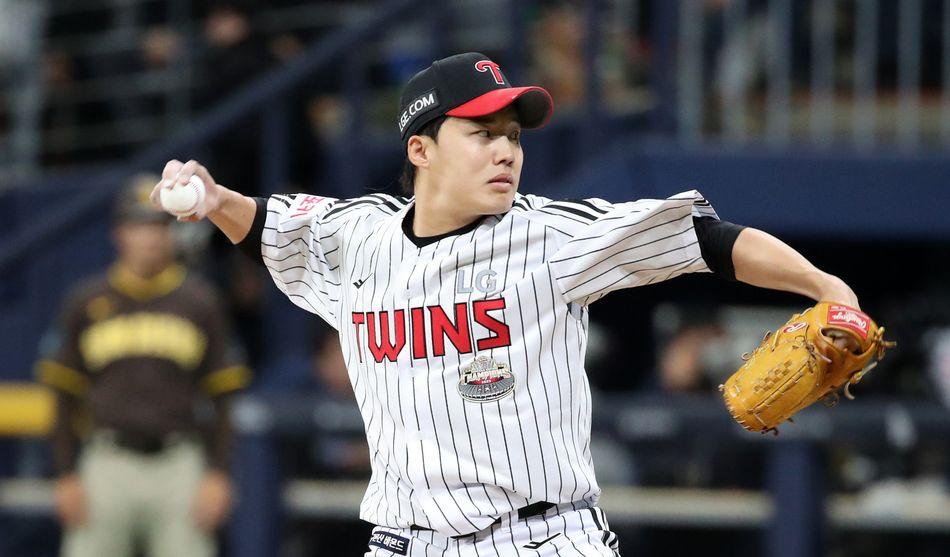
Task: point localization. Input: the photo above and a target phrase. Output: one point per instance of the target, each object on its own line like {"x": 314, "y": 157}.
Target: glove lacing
{"x": 882, "y": 345}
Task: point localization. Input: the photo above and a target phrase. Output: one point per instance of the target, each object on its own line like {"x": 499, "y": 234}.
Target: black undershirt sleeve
{"x": 251, "y": 244}
{"x": 716, "y": 239}
{"x": 64, "y": 438}
{"x": 219, "y": 436}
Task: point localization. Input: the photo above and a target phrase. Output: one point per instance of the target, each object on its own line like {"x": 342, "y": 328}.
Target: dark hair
{"x": 407, "y": 179}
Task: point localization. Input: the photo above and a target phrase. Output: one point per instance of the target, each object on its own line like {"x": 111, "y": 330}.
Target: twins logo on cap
{"x": 488, "y": 65}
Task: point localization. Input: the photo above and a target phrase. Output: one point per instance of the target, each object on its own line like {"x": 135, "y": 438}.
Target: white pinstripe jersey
{"x": 454, "y": 447}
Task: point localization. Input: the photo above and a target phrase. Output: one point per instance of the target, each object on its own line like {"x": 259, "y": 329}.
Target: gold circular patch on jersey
{"x": 486, "y": 380}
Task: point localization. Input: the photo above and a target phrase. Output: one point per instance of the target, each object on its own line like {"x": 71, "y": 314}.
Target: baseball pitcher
{"x": 462, "y": 312}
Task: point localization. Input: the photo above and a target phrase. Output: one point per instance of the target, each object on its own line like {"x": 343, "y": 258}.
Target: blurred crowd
{"x": 94, "y": 84}
{"x": 111, "y": 79}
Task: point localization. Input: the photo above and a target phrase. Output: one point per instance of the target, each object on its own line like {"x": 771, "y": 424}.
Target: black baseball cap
{"x": 467, "y": 85}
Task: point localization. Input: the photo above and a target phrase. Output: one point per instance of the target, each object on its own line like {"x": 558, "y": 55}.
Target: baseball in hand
{"x": 182, "y": 200}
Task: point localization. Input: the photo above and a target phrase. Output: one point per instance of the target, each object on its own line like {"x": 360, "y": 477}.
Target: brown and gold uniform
{"x": 132, "y": 360}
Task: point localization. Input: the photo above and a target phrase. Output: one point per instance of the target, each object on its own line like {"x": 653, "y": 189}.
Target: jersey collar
{"x": 138, "y": 288}
{"x": 427, "y": 240}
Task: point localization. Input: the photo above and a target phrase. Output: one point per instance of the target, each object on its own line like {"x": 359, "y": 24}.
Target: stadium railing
{"x": 794, "y": 507}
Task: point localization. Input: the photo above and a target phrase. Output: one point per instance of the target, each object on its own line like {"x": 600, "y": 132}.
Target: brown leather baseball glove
{"x": 802, "y": 363}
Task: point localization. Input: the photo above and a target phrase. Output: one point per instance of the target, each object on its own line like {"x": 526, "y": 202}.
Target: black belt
{"x": 534, "y": 509}
{"x": 142, "y": 444}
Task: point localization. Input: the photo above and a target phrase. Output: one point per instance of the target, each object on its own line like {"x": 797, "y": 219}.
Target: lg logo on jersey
{"x": 484, "y": 282}
{"x": 384, "y": 332}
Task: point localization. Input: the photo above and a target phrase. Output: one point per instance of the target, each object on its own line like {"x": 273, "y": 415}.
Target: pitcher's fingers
{"x": 205, "y": 176}
{"x": 155, "y": 196}
{"x": 187, "y": 171}
{"x": 171, "y": 168}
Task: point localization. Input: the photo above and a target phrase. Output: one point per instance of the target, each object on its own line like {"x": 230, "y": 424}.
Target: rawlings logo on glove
{"x": 801, "y": 364}
{"x": 851, "y": 318}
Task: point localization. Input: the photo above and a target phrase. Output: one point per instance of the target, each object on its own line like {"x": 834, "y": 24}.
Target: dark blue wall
{"x": 805, "y": 195}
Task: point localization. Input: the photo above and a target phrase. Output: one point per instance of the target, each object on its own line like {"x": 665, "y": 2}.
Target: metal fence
{"x": 862, "y": 73}
{"x": 824, "y": 73}
{"x": 95, "y": 80}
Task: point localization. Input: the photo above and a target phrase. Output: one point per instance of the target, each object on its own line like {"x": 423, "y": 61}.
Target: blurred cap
{"x": 245, "y": 7}
{"x": 132, "y": 203}
{"x": 467, "y": 85}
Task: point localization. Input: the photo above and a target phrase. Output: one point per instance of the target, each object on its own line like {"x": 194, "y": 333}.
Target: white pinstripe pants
{"x": 564, "y": 531}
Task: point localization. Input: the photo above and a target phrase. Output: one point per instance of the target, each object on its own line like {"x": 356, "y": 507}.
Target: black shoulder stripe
{"x": 353, "y": 203}
{"x": 572, "y": 210}
{"x": 282, "y": 199}
{"x": 381, "y": 207}
{"x": 398, "y": 201}
{"x": 388, "y": 203}
{"x": 587, "y": 204}
{"x": 561, "y": 215}
{"x": 521, "y": 204}
{"x": 288, "y": 198}
{"x": 347, "y": 202}
{"x": 343, "y": 203}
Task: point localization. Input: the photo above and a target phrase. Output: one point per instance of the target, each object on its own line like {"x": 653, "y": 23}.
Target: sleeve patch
{"x": 61, "y": 377}
{"x": 226, "y": 380}
{"x": 306, "y": 205}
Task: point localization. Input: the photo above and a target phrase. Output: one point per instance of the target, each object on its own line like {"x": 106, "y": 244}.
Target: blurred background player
{"x": 137, "y": 355}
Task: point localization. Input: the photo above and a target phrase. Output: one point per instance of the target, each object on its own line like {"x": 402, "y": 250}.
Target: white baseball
{"x": 182, "y": 200}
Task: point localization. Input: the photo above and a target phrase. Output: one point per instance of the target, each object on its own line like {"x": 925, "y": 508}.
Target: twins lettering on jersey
{"x": 385, "y": 332}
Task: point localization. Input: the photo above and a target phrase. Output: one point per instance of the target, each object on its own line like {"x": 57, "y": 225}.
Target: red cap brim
{"x": 534, "y": 105}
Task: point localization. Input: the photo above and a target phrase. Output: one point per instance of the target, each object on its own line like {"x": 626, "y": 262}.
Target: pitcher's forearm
{"x": 765, "y": 261}
{"x": 234, "y": 215}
